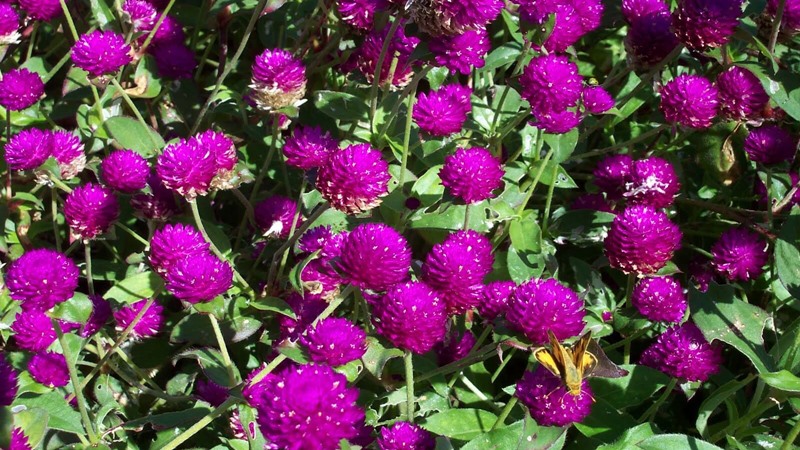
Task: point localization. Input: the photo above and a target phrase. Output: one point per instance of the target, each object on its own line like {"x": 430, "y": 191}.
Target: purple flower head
{"x": 456, "y": 268}
{"x": 18, "y": 440}
{"x": 739, "y": 254}
{"x": 353, "y": 180}
{"x": 308, "y": 407}
{"x": 550, "y": 402}
{"x": 649, "y": 40}
{"x": 159, "y": 205}
{"x": 211, "y": 392}
{"x": 44, "y": 10}
{"x": 573, "y": 19}
{"x": 770, "y": 144}
{"x": 170, "y": 31}
{"x": 149, "y": 325}
{"x": 462, "y": 52}
{"x": 49, "y": 369}
{"x": 689, "y": 100}
{"x": 704, "y": 24}
{"x": 320, "y": 278}
{"x": 594, "y": 202}
{"x": 641, "y": 240}
{"x": 701, "y": 273}
{"x": 741, "y": 95}
{"x": 175, "y": 242}
{"x": 635, "y": 10}
{"x": 8, "y": 382}
{"x": 375, "y": 256}
{"x": 125, "y": 171}
{"x": 306, "y": 308}
{"x": 334, "y": 341}
{"x": 538, "y": 306}
{"x": 558, "y": 122}
{"x": 174, "y": 60}
{"x": 652, "y": 182}
{"x": 551, "y": 83}
{"x": 187, "y": 168}
{"x": 20, "y": 88}
{"x": 42, "y": 278}
{"x": 359, "y": 13}
{"x": 279, "y": 80}
{"x": 597, "y": 100}
{"x": 33, "y": 330}
{"x": 443, "y": 112}
{"x": 101, "y": 52}
{"x": 28, "y": 149}
{"x": 411, "y": 316}
{"x": 140, "y": 14}
{"x": 9, "y": 24}
{"x": 660, "y": 299}
{"x": 405, "y": 436}
{"x": 442, "y": 17}
{"x": 494, "y": 299}
{"x": 314, "y": 239}
{"x": 365, "y": 58}
{"x": 454, "y": 347}
{"x": 220, "y": 146}
{"x": 309, "y": 147}
{"x": 67, "y": 149}
{"x": 791, "y": 15}
{"x": 472, "y": 174}
{"x": 612, "y": 175}
{"x": 275, "y": 216}
{"x": 683, "y": 352}
{"x": 199, "y": 278}
{"x": 90, "y": 210}
{"x": 101, "y": 312}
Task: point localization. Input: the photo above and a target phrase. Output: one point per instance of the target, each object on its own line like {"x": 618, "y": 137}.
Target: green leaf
{"x": 631, "y": 437}
{"x": 485, "y": 114}
{"x": 33, "y": 422}
{"x": 197, "y": 329}
{"x": 502, "y": 56}
{"x": 77, "y": 309}
{"x": 211, "y": 362}
{"x": 130, "y": 133}
{"x": 102, "y": 13}
{"x": 675, "y": 441}
{"x": 341, "y": 105}
{"x": 524, "y": 266}
{"x": 718, "y": 397}
{"x": 171, "y": 419}
{"x": 451, "y": 217}
{"x": 461, "y": 424}
{"x": 605, "y": 422}
{"x": 518, "y": 435}
{"x": 428, "y": 188}
{"x": 782, "y": 87}
{"x": 637, "y": 386}
{"x": 62, "y": 416}
{"x": 782, "y": 380}
{"x": 147, "y": 84}
{"x": 437, "y": 76}
{"x": 273, "y": 304}
{"x": 582, "y": 226}
{"x": 526, "y": 235}
{"x": 787, "y": 253}
{"x": 562, "y": 144}
{"x": 553, "y": 174}
{"x": 377, "y": 356}
{"x": 137, "y": 287}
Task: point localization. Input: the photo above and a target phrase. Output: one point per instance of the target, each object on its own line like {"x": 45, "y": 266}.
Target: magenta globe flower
{"x": 641, "y": 240}
{"x": 538, "y": 306}
{"x": 170, "y": 32}
{"x": 353, "y": 180}
{"x": 125, "y": 171}
{"x": 594, "y": 202}
{"x": 33, "y": 331}
{"x": 653, "y": 182}
{"x": 494, "y": 299}
{"x": 44, "y": 10}
{"x": 175, "y": 242}
{"x": 68, "y": 152}
{"x": 441, "y": 17}
{"x": 461, "y": 53}
{"x": 158, "y": 205}
{"x": 596, "y": 100}
{"x": 454, "y": 347}
{"x": 549, "y": 401}
{"x": 199, "y": 278}
{"x": 573, "y": 19}
{"x": 279, "y": 80}
{"x": 142, "y": 15}
{"x": 334, "y": 341}
{"x": 365, "y": 58}
{"x": 101, "y": 53}
{"x": 551, "y": 83}
{"x": 359, "y": 14}
{"x": 101, "y": 312}
{"x": 683, "y": 352}
{"x": 770, "y": 144}
{"x": 211, "y": 392}
{"x": 18, "y": 440}
{"x": 8, "y": 382}
{"x": 309, "y": 147}
{"x": 650, "y": 39}
{"x": 9, "y": 24}
{"x": 186, "y": 168}
{"x": 411, "y": 316}
{"x": 790, "y": 22}
{"x": 28, "y": 149}
{"x": 689, "y": 100}
{"x": 739, "y": 254}
{"x": 375, "y": 256}
{"x": 705, "y": 24}
{"x": 612, "y": 175}
{"x": 220, "y": 146}
{"x": 42, "y": 278}
{"x": 149, "y": 325}
{"x": 174, "y": 60}
{"x": 49, "y": 369}
{"x": 558, "y": 122}
{"x": 443, "y": 112}
{"x": 660, "y": 299}
{"x": 405, "y": 436}
{"x": 20, "y": 88}
{"x": 275, "y": 216}
{"x": 306, "y": 308}
{"x": 472, "y": 174}
{"x": 741, "y": 95}
{"x": 315, "y": 239}
{"x": 90, "y": 210}
{"x": 635, "y": 10}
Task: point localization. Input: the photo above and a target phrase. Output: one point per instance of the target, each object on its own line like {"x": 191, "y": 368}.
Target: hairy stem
{"x": 408, "y": 362}
{"x": 226, "y": 357}
{"x": 77, "y": 387}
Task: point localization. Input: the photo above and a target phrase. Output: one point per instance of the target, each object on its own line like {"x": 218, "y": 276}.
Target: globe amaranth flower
{"x": 790, "y": 23}
{"x": 101, "y": 52}
{"x": 689, "y": 100}
{"x": 462, "y": 52}
{"x": 125, "y": 171}
{"x": 20, "y": 88}
{"x": 45, "y": 10}
{"x": 456, "y": 268}
{"x": 652, "y": 182}
{"x": 334, "y": 341}
{"x": 158, "y": 205}
{"x": 101, "y": 312}
{"x": 314, "y": 239}
{"x": 319, "y": 276}
{"x": 149, "y": 325}
{"x": 354, "y": 179}
{"x": 199, "y": 278}
{"x": 683, "y": 352}
{"x": 8, "y": 382}
{"x": 596, "y": 100}
{"x": 308, "y": 407}
{"x": 573, "y": 19}
{"x": 770, "y": 144}
{"x": 18, "y": 440}
{"x": 211, "y": 392}
{"x": 405, "y": 436}
{"x": 442, "y": 17}
{"x": 28, "y": 149}
{"x": 42, "y": 278}
{"x": 705, "y": 24}
{"x": 700, "y": 273}
{"x": 187, "y": 168}
{"x": 67, "y": 149}
{"x": 275, "y": 216}
{"x": 375, "y": 256}
{"x": 9, "y": 24}
{"x": 443, "y": 112}
{"x": 641, "y": 240}
{"x": 550, "y": 403}
{"x": 594, "y": 202}
{"x": 454, "y": 347}
{"x": 557, "y": 122}
{"x": 649, "y": 40}
{"x": 170, "y": 32}
{"x": 365, "y": 57}
{"x": 90, "y": 210}
{"x": 472, "y": 174}
{"x": 174, "y": 60}
{"x": 612, "y": 175}
{"x": 49, "y": 369}
{"x": 33, "y": 331}
{"x": 140, "y": 14}
{"x": 279, "y": 80}
{"x": 306, "y": 308}
{"x": 494, "y": 299}
{"x": 551, "y": 83}
{"x": 359, "y": 14}
{"x": 635, "y": 10}
{"x": 741, "y": 95}
{"x": 739, "y": 254}
{"x": 412, "y": 316}
{"x": 538, "y": 306}
{"x": 309, "y": 147}
{"x": 660, "y": 299}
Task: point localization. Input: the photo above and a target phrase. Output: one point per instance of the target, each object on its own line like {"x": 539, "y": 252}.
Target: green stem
{"x": 626, "y": 350}
{"x": 408, "y": 362}
{"x": 153, "y": 32}
{"x": 642, "y": 137}
{"x": 535, "y": 182}
{"x": 98, "y": 105}
{"x": 776, "y": 26}
{"x": 134, "y": 234}
{"x": 466, "y": 217}
{"x": 549, "y": 201}
{"x": 136, "y": 113}
{"x": 70, "y": 23}
{"x": 788, "y": 443}
{"x": 376, "y": 79}
{"x": 191, "y": 431}
{"x": 769, "y": 197}
{"x": 501, "y": 419}
{"x": 273, "y": 267}
{"x": 412, "y": 98}
{"x": 295, "y": 221}
{"x": 54, "y": 207}
{"x": 87, "y": 254}
{"x": 32, "y": 40}
{"x": 481, "y": 355}
{"x": 405, "y": 93}
{"x": 271, "y": 154}
{"x": 636, "y": 334}
{"x": 752, "y": 414}
{"x": 653, "y": 409}
{"x": 503, "y": 364}
{"x": 73, "y": 376}
{"x": 226, "y": 358}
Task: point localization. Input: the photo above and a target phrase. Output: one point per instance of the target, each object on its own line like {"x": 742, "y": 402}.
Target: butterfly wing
{"x": 603, "y": 367}
{"x": 548, "y": 360}
{"x": 583, "y": 360}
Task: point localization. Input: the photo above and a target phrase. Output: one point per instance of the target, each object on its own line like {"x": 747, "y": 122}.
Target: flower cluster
{"x": 191, "y": 167}
{"x": 31, "y": 147}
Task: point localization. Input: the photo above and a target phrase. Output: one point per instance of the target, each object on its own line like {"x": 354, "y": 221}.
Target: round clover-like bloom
{"x": 550, "y": 402}
{"x": 101, "y": 312}
{"x": 220, "y": 146}
{"x": 67, "y": 149}
{"x": 791, "y": 15}
{"x": 18, "y": 440}
{"x": 456, "y": 268}
{"x": 462, "y": 52}
{"x": 141, "y": 14}
{"x": 174, "y": 60}
{"x": 211, "y": 392}
{"x": 20, "y": 88}
{"x": 741, "y": 95}
{"x": 90, "y": 210}
{"x": 279, "y": 80}
{"x": 689, "y": 100}
{"x": 42, "y": 278}
{"x": 101, "y": 52}
{"x": 653, "y": 182}
{"x": 276, "y": 215}
{"x": 49, "y": 369}
{"x": 33, "y": 330}
{"x": 365, "y": 58}
{"x": 683, "y": 352}
{"x": 594, "y": 202}
{"x": 8, "y": 382}
{"x": 308, "y": 407}
{"x": 309, "y": 147}
{"x": 472, "y": 174}
{"x": 558, "y": 122}
{"x": 175, "y": 242}
{"x": 551, "y": 83}
{"x": 199, "y": 278}
{"x": 494, "y": 299}
{"x": 9, "y": 24}
{"x": 650, "y": 39}
{"x": 335, "y": 341}
{"x": 705, "y": 24}
{"x": 125, "y": 171}
{"x": 635, "y": 10}
{"x": 149, "y": 325}
{"x": 314, "y": 239}
{"x": 158, "y": 205}
{"x": 442, "y": 17}
{"x": 597, "y": 100}
{"x": 187, "y": 168}
{"x": 28, "y": 149}
{"x": 405, "y": 436}
{"x": 411, "y": 316}
{"x": 359, "y": 13}
{"x": 538, "y": 306}
{"x": 770, "y": 144}
{"x": 45, "y": 10}
{"x": 454, "y": 347}
{"x": 573, "y": 19}
{"x": 170, "y": 31}
{"x": 443, "y": 112}
{"x": 739, "y": 254}
{"x": 306, "y": 308}
{"x": 353, "y": 180}
{"x": 612, "y": 175}
{"x": 641, "y": 240}
{"x": 375, "y": 256}
{"x": 660, "y": 299}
